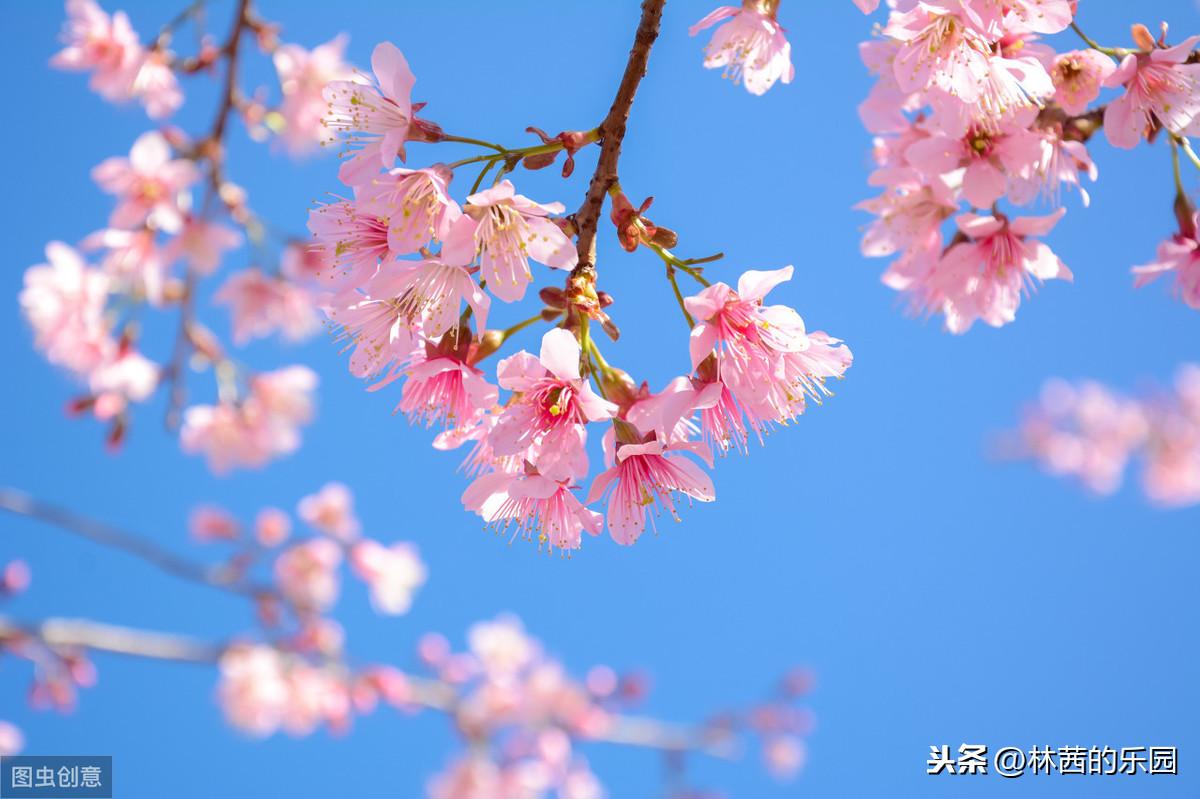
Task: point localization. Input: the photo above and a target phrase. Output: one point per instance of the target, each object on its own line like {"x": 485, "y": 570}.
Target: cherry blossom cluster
{"x": 523, "y": 719}
{"x": 415, "y": 273}
{"x": 972, "y": 111}
{"x": 1091, "y": 433}
{"x": 176, "y": 219}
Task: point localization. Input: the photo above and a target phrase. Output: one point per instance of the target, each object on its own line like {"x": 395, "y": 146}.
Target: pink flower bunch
{"x": 749, "y": 46}
{"x": 970, "y": 107}
{"x": 303, "y": 76}
{"x": 122, "y": 69}
{"x": 1088, "y": 432}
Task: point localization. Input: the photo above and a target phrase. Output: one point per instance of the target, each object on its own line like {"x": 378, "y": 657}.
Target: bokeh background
{"x": 940, "y": 595}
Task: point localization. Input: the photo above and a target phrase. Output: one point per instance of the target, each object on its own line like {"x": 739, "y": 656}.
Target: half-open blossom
{"x": 416, "y": 203}
{"x": 750, "y": 46}
{"x": 1179, "y": 254}
{"x": 644, "y": 475}
{"x": 443, "y": 389}
{"x": 1078, "y": 76}
{"x": 1160, "y": 86}
{"x": 393, "y": 573}
{"x": 546, "y": 422}
{"x": 64, "y": 301}
{"x": 262, "y": 304}
{"x": 331, "y": 511}
{"x": 985, "y": 276}
{"x": 108, "y": 46}
{"x": 374, "y": 119}
{"x": 303, "y": 76}
{"x": 534, "y": 506}
{"x": 307, "y": 573}
{"x": 506, "y": 230}
{"x": 147, "y": 184}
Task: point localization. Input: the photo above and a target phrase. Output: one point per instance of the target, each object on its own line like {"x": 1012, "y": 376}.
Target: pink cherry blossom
{"x": 1171, "y": 477}
{"x": 377, "y": 328}
{"x": 264, "y": 425}
{"x": 262, "y": 304}
{"x": 15, "y": 577}
{"x": 989, "y": 158}
{"x": 272, "y": 527}
{"x": 1160, "y": 86}
{"x": 126, "y": 377}
{"x": 374, "y": 119}
{"x": 1036, "y": 16}
{"x": 505, "y": 230}
{"x": 443, "y": 389}
{"x": 64, "y": 302}
{"x": 1179, "y": 254}
{"x": 416, "y": 204}
{"x": 429, "y": 294}
{"x": 356, "y": 240}
{"x": 942, "y": 46}
{"x": 331, "y": 511}
{"x": 644, "y": 475}
{"x": 11, "y": 739}
{"x": 209, "y": 523}
{"x": 534, "y": 506}
{"x": 750, "y": 45}
{"x": 867, "y": 6}
{"x": 136, "y": 263}
{"x": 154, "y": 83}
{"x": 1062, "y": 162}
{"x": 147, "y": 184}
{"x": 909, "y": 212}
{"x": 307, "y": 574}
{"x": 303, "y": 76}
{"x": 1078, "y": 76}
{"x": 253, "y": 692}
{"x": 202, "y": 244}
{"x": 546, "y": 422}
{"x": 393, "y": 574}
{"x": 985, "y": 276}
{"x": 108, "y": 46}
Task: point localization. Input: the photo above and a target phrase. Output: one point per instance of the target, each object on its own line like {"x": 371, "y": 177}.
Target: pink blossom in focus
{"x": 64, "y": 301}
{"x": 108, "y": 46}
{"x": 1179, "y": 254}
{"x": 356, "y": 240}
{"x": 985, "y": 276}
{"x": 505, "y": 230}
{"x": 444, "y": 390}
{"x": 535, "y": 506}
{"x": 303, "y": 76}
{"x": 1078, "y": 76}
{"x": 750, "y": 45}
{"x": 546, "y": 423}
{"x": 208, "y": 523}
{"x": 1159, "y": 87}
{"x": 147, "y": 184}
{"x": 644, "y": 475}
{"x": 942, "y": 46}
{"x": 330, "y": 511}
{"x": 373, "y": 119}
{"x": 261, "y": 304}
{"x": 272, "y": 527}
{"x": 416, "y": 203}
{"x": 428, "y": 294}
{"x": 307, "y": 573}
{"x": 989, "y": 158}
{"x": 393, "y": 574}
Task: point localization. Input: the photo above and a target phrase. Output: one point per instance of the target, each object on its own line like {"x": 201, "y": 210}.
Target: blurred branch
{"x": 21, "y": 504}
{"x": 84, "y": 634}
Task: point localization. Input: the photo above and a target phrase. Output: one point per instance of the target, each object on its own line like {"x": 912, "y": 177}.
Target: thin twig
{"x": 612, "y": 132}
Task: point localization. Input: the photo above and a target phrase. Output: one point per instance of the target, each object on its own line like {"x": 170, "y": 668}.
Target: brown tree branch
{"x": 21, "y": 504}
{"x": 612, "y": 132}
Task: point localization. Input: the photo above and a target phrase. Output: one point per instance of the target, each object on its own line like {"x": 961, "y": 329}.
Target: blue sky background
{"x": 941, "y": 597}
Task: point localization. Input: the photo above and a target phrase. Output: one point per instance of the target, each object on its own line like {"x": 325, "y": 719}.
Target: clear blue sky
{"x": 941, "y": 597}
